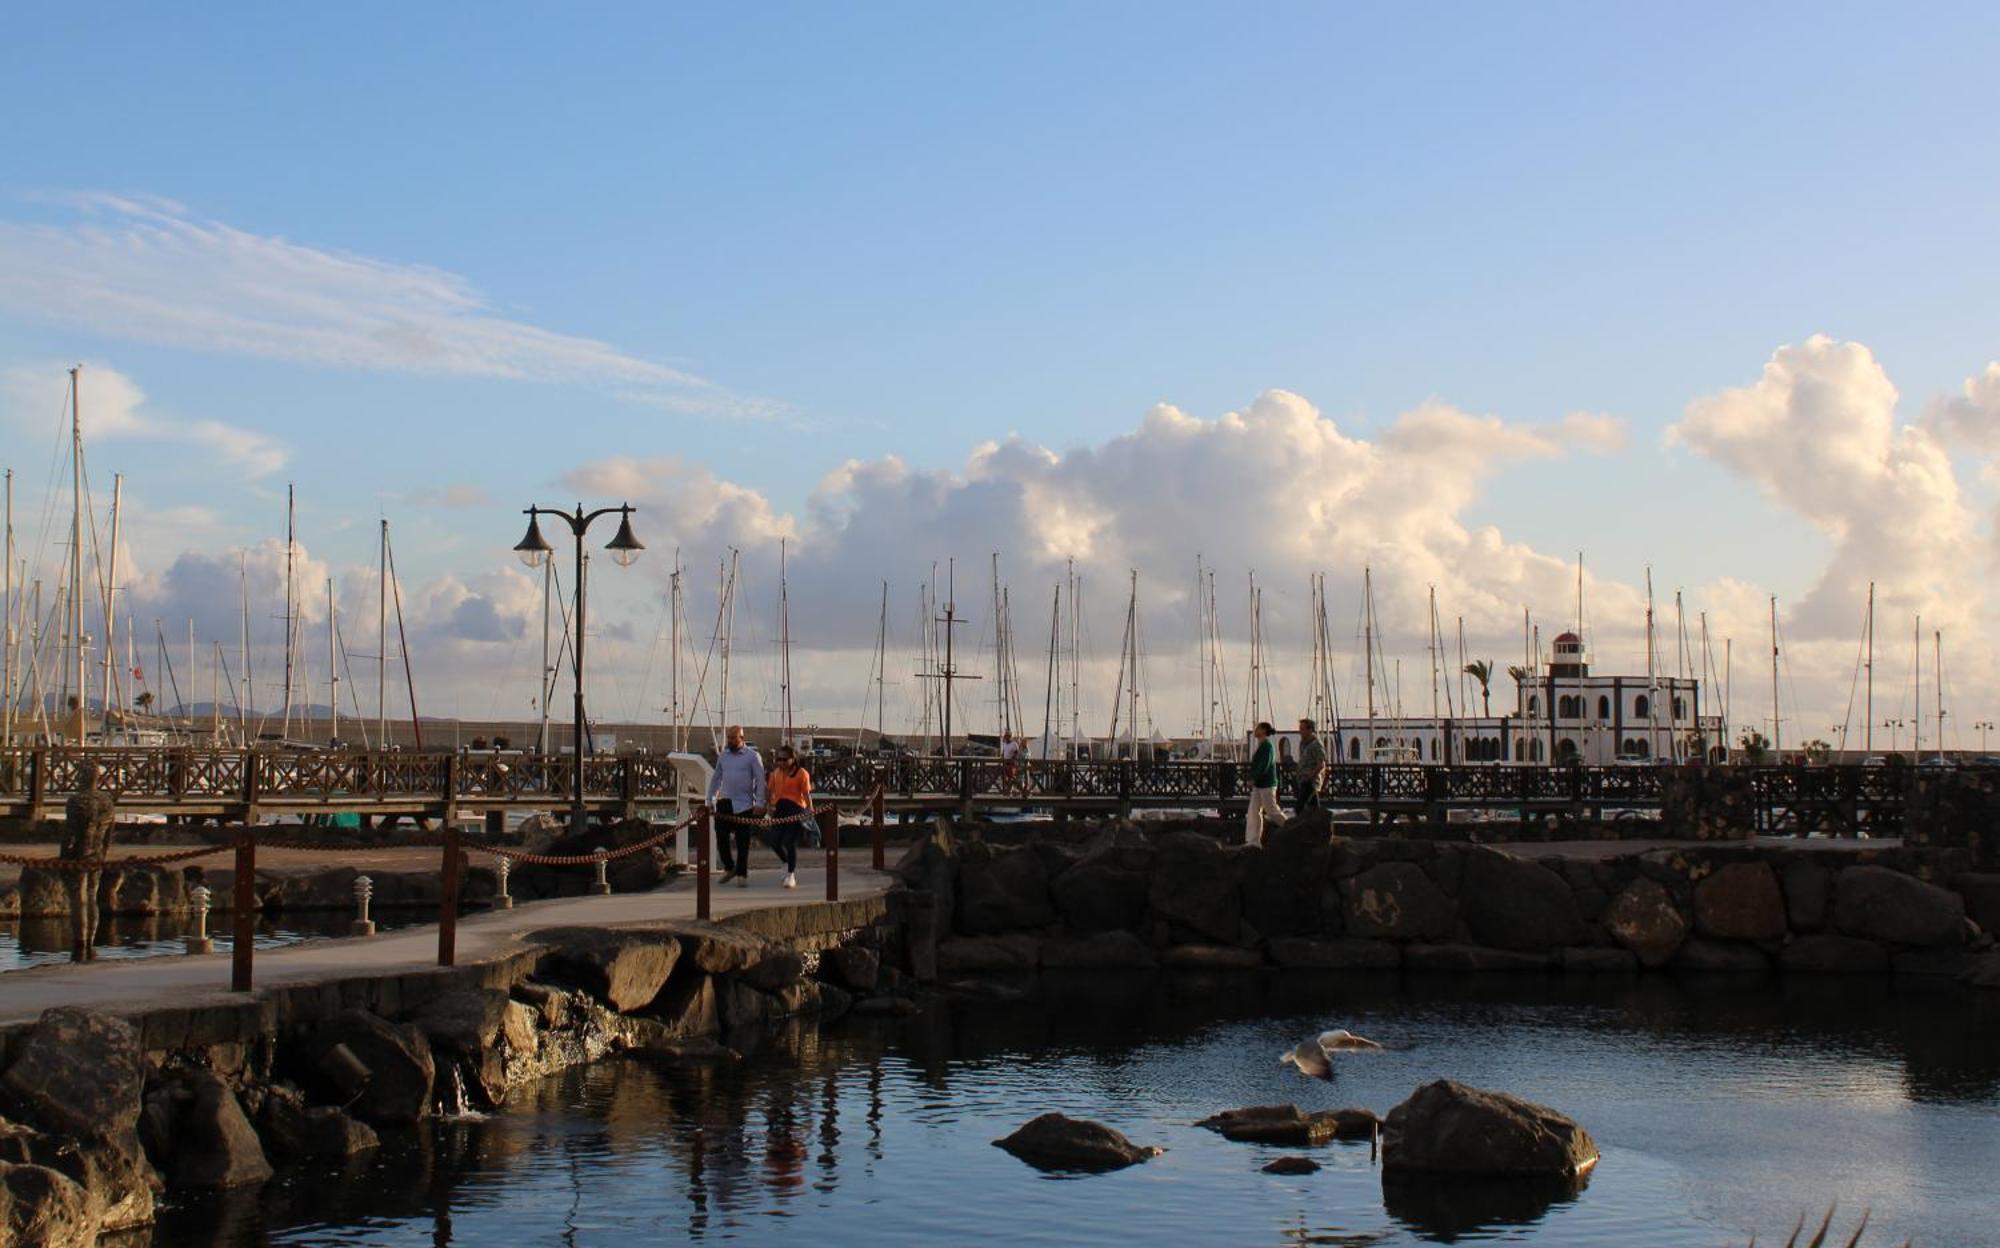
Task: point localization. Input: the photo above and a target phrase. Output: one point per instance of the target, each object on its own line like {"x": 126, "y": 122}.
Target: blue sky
{"x": 909, "y": 229}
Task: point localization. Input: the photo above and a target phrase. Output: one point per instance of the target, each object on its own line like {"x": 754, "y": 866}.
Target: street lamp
{"x": 1893, "y": 725}
{"x": 534, "y": 550}
{"x": 1985, "y": 726}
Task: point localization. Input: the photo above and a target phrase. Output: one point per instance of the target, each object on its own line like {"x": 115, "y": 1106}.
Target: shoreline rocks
{"x": 1447, "y": 1127}
{"x": 1056, "y": 1142}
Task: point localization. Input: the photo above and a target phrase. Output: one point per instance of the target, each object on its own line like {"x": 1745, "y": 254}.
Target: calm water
{"x": 1719, "y": 1108}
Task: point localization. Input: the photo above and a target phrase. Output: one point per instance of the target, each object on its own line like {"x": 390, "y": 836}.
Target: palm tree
{"x": 1817, "y": 751}
{"x": 1754, "y": 745}
{"x": 1481, "y": 670}
{"x": 144, "y": 701}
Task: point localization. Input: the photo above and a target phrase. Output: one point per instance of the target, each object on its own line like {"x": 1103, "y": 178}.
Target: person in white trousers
{"x": 1263, "y": 787}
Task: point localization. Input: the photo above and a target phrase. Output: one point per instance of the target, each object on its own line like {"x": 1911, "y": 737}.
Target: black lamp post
{"x": 535, "y": 550}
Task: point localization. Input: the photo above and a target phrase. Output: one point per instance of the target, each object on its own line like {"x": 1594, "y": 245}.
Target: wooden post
{"x": 701, "y": 881}
{"x": 829, "y": 837}
{"x": 243, "y": 919}
{"x": 448, "y": 900}
{"x": 877, "y": 834}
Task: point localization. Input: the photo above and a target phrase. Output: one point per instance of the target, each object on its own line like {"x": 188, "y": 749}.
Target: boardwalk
{"x": 243, "y": 786}
{"x": 134, "y": 985}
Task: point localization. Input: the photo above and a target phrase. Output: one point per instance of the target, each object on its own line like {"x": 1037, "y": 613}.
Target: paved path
{"x": 129, "y": 985}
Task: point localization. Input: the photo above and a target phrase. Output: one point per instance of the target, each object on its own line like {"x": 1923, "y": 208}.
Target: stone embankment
{"x": 100, "y": 1115}
{"x": 1309, "y": 898}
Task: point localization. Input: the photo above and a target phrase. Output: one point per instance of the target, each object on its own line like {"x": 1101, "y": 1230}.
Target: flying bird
{"x": 1314, "y": 1057}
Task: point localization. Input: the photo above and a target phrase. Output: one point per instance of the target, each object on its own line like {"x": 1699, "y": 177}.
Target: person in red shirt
{"x": 790, "y": 788}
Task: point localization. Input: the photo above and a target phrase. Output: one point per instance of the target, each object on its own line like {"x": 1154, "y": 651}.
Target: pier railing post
{"x": 243, "y": 916}
{"x": 448, "y": 899}
{"x": 829, "y": 836}
{"x": 702, "y": 836}
{"x": 877, "y": 834}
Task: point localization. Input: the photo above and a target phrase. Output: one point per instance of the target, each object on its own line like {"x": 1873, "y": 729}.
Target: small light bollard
{"x": 364, "y": 890}
{"x": 601, "y": 886}
{"x": 198, "y": 941}
{"x": 504, "y": 900}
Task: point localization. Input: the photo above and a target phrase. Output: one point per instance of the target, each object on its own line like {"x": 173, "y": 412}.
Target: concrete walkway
{"x": 132, "y": 985}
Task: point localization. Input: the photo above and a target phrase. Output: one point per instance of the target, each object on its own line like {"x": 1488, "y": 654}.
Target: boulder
{"x": 1646, "y": 921}
{"x": 718, "y": 949}
{"x": 1887, "y": 905}
{"x": 1291, "y": 1165}
{"x": 1740, "y": 901}
{"x": 1510, "y": 903}
{"x": 41, "y": 1208}
{"x": 77, "y": 1073}
{"x": 852, "y": 967}
{"x": 1808, "y": 895}
{"x": 1984, "y": 972}
{"x": 777, "y": 970}
{"x": 687, "y": 1007}
{"x": 1284, "y": 878}
{"x": 1003, "y": 892}
{"x": 117, "y": 1181}
{"x": 1981, "y": 891}
{"x": 1194, "y": 884}
{"x": 1056, "y": 1142}
{"x": 1291, "y": 1126}
{"x": 216, "y": 1145}
{"x": 1017, "y": 952}
{"x": 1396, "y": 901}
{"x": 466, "y": 1020}
{"x": 930, "y": 865}
{"x": 1212, "y": 958}
{"x": 381, "y": 1071}
{"x": 142, "y": 890}
{"x": 1832, "y": 953}
{"x": 1697, "y": 954}
{"x": 41, "y": 893}
{"x": 625, "y": 970}
{"x": 1933, "y": 964}
{"x": 1471, "y": 958}
{"x": 1101, "y": 952}
{"x": 295, "y": 1131}
{"x": 1447, "y": 1127}
{"x": 1335, "y": 955}
{"x": 1100, "y": 897}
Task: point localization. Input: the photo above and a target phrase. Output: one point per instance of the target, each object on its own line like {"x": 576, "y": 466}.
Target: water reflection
{"x": 1719, "y": 1109}
{"x": 44, "y": 941}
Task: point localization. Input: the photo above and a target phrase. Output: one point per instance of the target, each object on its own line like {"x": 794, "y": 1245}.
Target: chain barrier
{"x": 578, "y": 860}
{"x": 767, "y": 821}
{"x": 99, "y": 864}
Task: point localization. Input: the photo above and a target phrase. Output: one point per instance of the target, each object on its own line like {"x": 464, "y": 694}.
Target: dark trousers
{"x": 1305, "y": 795}
{"x": 785, "y": 836}
{"x": 726, "y": 833}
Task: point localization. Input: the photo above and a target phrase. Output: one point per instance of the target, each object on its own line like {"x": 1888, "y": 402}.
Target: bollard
{"x": 829, "y": 835}
{"x": 877, "y": 834}
{"x": 198, "y": 941}
{"x": 601, "y": 886}
{"x": 448, "y": 898}
{"x": 243, "y": 920}
{"x": 504, "y": 900}
{"x": 701, "y": 846}
{"x": 364, "y": 889}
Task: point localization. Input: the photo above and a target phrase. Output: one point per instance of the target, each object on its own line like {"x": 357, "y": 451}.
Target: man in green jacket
{"x": 1263, "y": 787}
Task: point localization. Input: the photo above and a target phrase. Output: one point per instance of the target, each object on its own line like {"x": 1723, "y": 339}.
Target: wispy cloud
{"x": 114, "y": 407}
{"x": 149, "y": 270}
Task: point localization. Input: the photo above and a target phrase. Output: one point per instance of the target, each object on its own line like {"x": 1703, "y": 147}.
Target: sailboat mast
{"x": 290, "y": 604}
{"x": 882, "y": 669}
{"x": 544, "y": 684}
{"x": 1368, "y": 648}
{"x": 1433, "y": 641}
{"x": 243, "y": 645}
{"x": 1937, "y": 643}
{"x": 1075, "y": 658}
{"x": 332, "y": 673}
{"x": 1868, "y": 667}
{"x": 1777, "y": 718}
{"x": 950, "y": 622}
{"x": 676, "y": 736}
{"x": 76, "y": 546}
{"x": 1917, "y": 696}
{"x": 111, "y": 602}
{"x": 1132, "y": 644}
{"x": 1049, "y": 689}
{"x": 785, "y": 644}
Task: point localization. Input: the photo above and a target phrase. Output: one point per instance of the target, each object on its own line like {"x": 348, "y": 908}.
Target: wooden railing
{"x": 189, "y": 777}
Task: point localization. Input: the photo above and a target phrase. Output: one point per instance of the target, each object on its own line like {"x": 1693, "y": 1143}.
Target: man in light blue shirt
{"x": 736, "y": 787}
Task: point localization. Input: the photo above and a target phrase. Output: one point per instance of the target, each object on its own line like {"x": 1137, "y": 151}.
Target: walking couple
{"x": 1306, "y": 783}
{"x": 740, "y": 792}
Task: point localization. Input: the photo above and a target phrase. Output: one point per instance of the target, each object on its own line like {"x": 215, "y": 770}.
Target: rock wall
{"x": 101, "y": 1115}
{"x": 1130, "y": 897}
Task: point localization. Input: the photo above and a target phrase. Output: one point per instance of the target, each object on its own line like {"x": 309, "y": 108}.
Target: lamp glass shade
{"x": 534, "y": 549}
{"x": 624, "y": 547}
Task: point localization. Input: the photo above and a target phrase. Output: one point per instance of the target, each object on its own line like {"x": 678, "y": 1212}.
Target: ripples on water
{"x": 26, "y": 943}
{"x": 1719, "y": 1108}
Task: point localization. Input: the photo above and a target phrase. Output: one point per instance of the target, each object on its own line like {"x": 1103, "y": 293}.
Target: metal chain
{"x": 98, "y": 864}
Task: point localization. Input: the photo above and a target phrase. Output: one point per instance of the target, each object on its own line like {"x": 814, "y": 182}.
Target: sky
{"x": 1452, "y": 294}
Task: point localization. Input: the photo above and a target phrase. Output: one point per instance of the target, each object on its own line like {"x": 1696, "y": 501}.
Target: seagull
{"x": 1314, "y": 1057}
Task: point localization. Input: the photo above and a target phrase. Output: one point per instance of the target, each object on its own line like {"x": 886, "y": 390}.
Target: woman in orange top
{"x": 790, "y": 788}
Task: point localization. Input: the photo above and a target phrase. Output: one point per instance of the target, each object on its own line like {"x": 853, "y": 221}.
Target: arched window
{"x": 1568, "y": 706}
{"x": 1354, "y": 750}
{"x": 1434, "y": 749}
{"x": 1641, "y": 707}
{"x": 1534, "y": 705}
{"x": 1680, "y": 709}
{"x": 1604, "y": 708}
{"x": 1565, "y": 750}
{"x": 1284, "y": 749}
{"x": 1535, "y": 750}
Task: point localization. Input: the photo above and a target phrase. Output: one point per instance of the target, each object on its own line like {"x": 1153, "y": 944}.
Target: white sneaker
{"x": 791, "y": 881}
